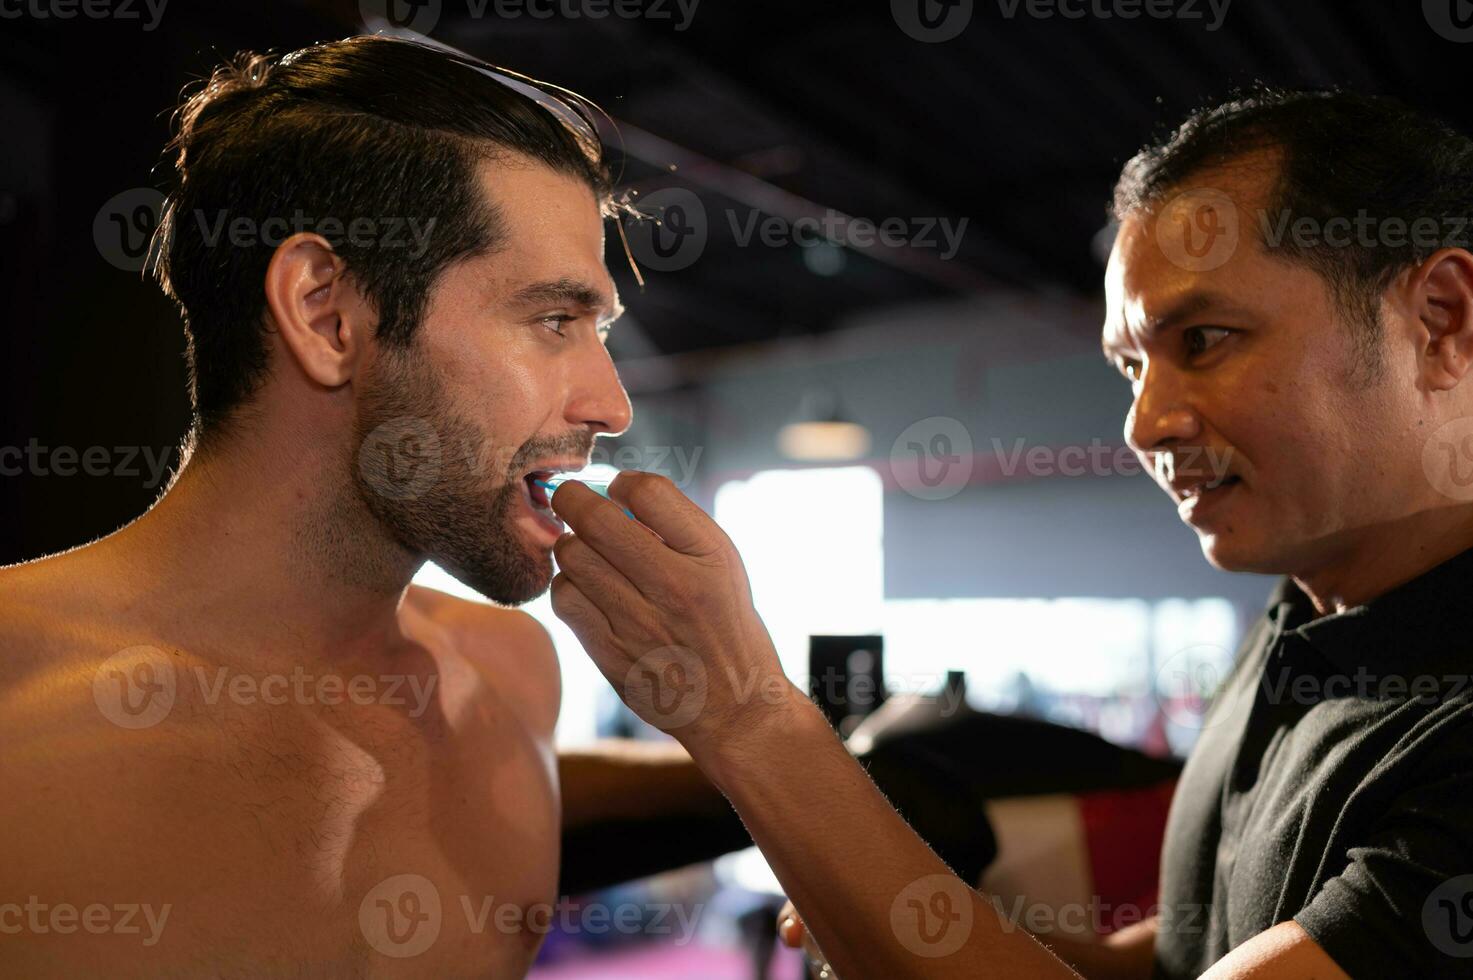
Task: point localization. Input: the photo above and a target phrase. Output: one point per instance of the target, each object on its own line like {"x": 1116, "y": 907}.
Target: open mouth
{"x": 1201, "y": 489}
{"x": 1196, "y": 504}
{"x": 538, "y": 495}
{"x": 539, "y": 502}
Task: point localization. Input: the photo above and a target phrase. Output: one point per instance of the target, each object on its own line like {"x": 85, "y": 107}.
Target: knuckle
{"x": 677, "y": 594}
{"x": 571, "y": 552}
{"x": 646, "y": 485}
{"x": 562, "y": 592}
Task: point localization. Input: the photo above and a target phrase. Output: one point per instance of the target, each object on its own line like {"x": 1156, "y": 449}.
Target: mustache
{"x": 579, "y": 444}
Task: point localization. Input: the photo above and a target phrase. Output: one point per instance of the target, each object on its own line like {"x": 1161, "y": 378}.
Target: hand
{"x": 663, "y": 606}
{"x": 795, "y": 935}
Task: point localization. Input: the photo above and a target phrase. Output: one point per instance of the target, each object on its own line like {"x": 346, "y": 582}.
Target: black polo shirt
{"x": 1332, "y": 784}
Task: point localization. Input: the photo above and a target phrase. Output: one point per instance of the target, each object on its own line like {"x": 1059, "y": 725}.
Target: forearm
{"x": 852, "y": 866}
{"x": 1124, "y": 955}
{"x": 625, "y": 779}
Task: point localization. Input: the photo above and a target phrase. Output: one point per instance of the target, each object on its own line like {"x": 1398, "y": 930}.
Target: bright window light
{"x": 812, "y": 541}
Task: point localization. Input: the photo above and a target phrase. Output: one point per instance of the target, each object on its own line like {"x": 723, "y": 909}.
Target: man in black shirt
{"x": 1290, "y": 296}
{"x": 1334, "y": 787}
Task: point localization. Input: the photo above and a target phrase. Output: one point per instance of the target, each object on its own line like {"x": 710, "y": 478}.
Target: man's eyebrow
{"x": 573, "y": 291}
{"x": 1189, "y": 307}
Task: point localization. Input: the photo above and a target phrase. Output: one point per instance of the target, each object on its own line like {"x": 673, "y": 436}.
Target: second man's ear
{"x": 1444, "y": 306}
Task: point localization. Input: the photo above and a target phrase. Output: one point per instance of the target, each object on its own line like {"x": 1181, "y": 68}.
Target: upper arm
{"x": 1285, "y": 952}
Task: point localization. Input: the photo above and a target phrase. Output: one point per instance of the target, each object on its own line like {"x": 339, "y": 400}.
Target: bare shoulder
{"x": 510, "y": 648}
{"x": 44, "y": 618}
{"x": 74, "y": 668}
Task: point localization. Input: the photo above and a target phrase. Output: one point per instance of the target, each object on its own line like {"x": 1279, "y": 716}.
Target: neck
{"x": 1386, "y": 556}
{"x": 270, "y": 545}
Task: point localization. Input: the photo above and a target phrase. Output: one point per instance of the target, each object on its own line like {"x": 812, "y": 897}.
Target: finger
{"x": 588, "y": 624}
{"x": 641, "y": 557}
{"x": 657, "y": 502}
{"x": 572, "y": 498}
{"x": 604, "y": 586}
{"x": 790, "y": 927}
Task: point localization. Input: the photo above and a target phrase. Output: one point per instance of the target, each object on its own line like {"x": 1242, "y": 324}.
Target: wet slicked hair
{"x": 368, "y": 127}
{"x": 1339, "y": 155}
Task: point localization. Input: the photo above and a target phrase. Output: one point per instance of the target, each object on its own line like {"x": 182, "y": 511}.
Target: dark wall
{"x": 90, "y": 353}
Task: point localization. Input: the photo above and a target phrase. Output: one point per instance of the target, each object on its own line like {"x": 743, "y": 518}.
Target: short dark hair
{"x": 1340, "y": 154}
{"x": 367, "y": 127}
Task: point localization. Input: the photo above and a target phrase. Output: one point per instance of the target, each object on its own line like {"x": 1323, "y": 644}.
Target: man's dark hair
{"x": 1339, "y": 155}
{"x": 368, "y": 127}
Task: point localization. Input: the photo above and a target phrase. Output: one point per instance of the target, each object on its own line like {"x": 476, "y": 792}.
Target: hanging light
{"x": 820, "y": 432}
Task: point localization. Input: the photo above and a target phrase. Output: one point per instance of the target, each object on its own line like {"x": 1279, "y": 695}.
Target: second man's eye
{"x": 555, "y": 321}
{"x": 1199, "y": 340}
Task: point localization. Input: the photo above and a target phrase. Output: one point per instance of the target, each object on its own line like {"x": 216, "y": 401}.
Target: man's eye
{"x": 555, "y": 322}
{"x": 1199, "y": 340}
{"x": 1129, "y": 367}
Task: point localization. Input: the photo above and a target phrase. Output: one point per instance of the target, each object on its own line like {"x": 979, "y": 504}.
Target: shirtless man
{"x": 237, "y": 741}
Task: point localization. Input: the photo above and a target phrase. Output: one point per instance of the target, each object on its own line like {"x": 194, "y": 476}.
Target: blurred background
{"x": 867, "y": 341}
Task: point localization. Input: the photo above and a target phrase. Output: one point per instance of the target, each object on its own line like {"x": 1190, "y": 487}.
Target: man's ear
{"x": 322, "y": 320}
{"x": 1442, "y": 288}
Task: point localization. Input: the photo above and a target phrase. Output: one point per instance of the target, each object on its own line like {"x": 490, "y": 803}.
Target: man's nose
{"x": 599, "y": 403}
{"x": 1160, "y": 416}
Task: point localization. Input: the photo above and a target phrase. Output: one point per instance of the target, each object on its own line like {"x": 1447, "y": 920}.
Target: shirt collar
{"x": 1418, "y": 626}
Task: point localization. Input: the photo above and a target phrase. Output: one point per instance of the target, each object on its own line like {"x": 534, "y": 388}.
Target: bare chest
{"x": 424, "y": 843}
{"x": 298, "y": 835}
